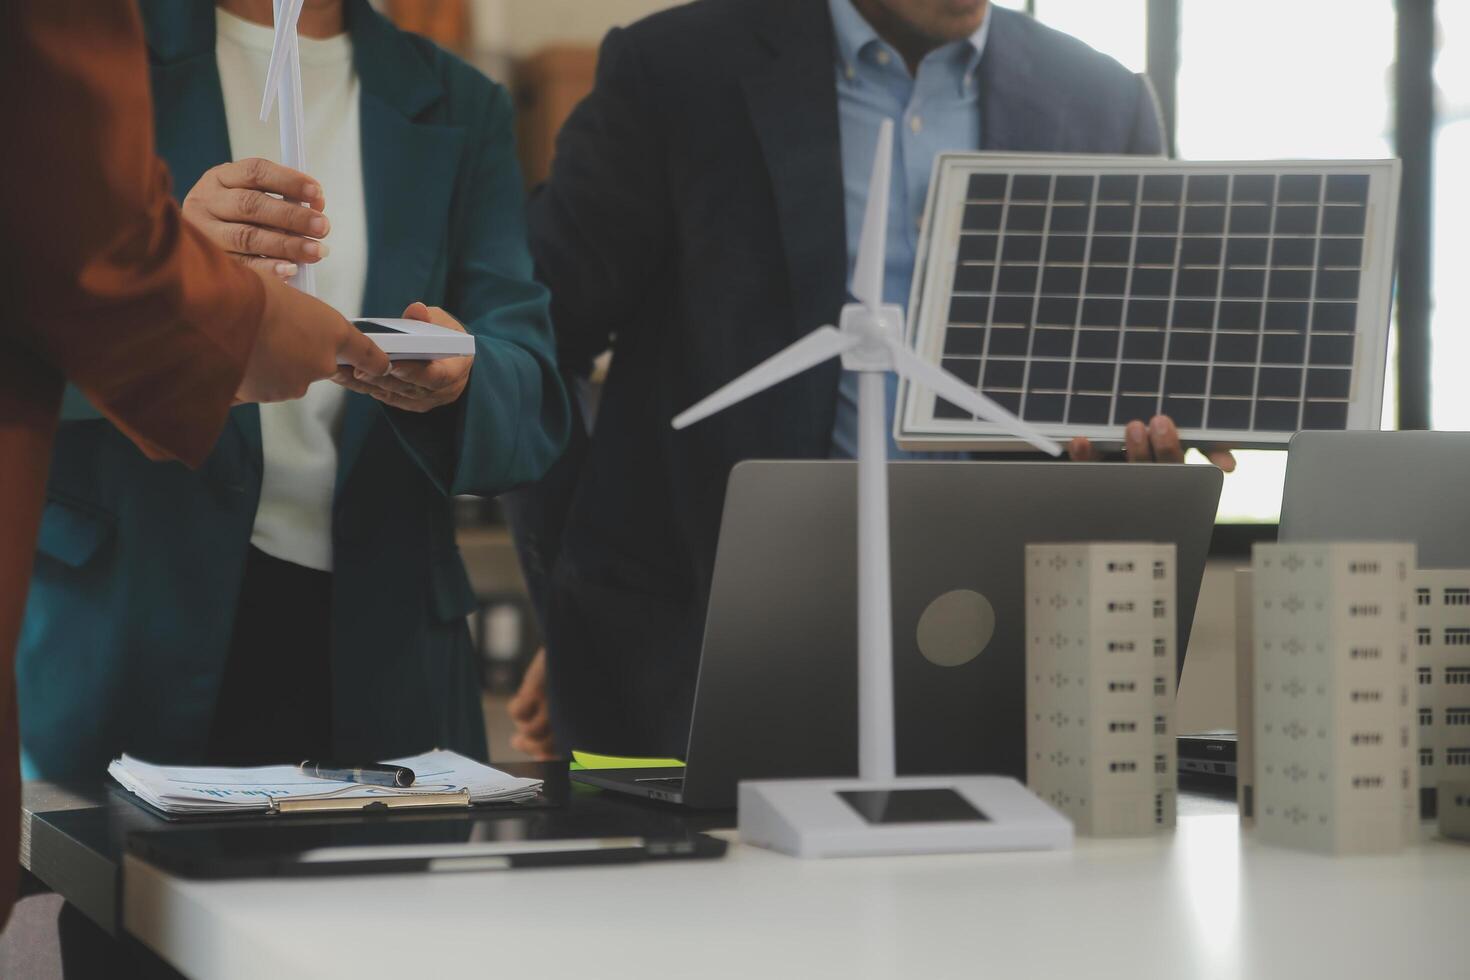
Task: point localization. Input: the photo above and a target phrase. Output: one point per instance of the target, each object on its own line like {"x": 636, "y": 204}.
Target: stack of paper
{"x": 180, "y": 790}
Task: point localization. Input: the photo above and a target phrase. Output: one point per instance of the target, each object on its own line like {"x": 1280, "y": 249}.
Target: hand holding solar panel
{"x": 1244, "y": 300}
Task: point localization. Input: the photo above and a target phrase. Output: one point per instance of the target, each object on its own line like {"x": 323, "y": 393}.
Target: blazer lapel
{"x": 793, "y": 107}
{"x": 409, "y": 165}
{"x": 191, "y": 135}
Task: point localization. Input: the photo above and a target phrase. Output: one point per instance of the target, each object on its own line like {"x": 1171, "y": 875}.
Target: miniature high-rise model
{"x": 1100, "y": 668}
{"x": 1441, "y": 615}
{"x": 1335, "y": 768}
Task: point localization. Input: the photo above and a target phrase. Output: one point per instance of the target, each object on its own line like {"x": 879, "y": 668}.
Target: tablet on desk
{"x": 414, "y": 340}
{"x": 421, "y": 843}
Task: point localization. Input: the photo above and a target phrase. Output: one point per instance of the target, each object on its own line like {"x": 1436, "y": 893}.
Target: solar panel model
{"x": 1246, "y": 300}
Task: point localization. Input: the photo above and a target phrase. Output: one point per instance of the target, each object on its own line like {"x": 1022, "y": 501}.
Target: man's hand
{"x": 1157, "y": 442}
{"x": 302, "y": 340}
{"x": 416, "y": 386}
{"x": 531, "y": 713}
{"x": 234, "y": 207}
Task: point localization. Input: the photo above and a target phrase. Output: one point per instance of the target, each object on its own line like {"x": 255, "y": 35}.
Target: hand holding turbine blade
{"x": 919, "y": 371}
{"x": 283, "y": 89}
{"x": 867, "y": 271}
{"x": 816, "y": 347}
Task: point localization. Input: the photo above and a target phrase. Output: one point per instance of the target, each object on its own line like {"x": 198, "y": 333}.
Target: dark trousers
{"x": 275, "y": 700}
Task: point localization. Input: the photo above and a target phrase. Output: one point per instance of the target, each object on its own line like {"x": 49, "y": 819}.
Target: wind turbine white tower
{"x": 870, "y": 341}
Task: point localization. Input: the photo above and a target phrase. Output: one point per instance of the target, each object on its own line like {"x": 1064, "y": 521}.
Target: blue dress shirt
{"x": 936, "y": 110}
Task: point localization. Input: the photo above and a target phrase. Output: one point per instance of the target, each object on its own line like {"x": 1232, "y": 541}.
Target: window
{"x": 1425, "y": 636}
{"x": 1363, "y": 568}
{"x": 1161, "y": 571}
{"x": 1364, "y": 609}
{"x": 1367, "y": 782}
{"x": 1161, "y": 725}
{"x": 1457, "y": 675}
{"x": 1457, "y": 757}
{"x": 1426, "y": 717}
{"x": 1122, "y": 726}
{"x": 1161, "y": 608}
{"x": 1422, "y": 596}
{"x": 1365, "y": 653}
{"x": 1426, "y": 675}
{"x": 1120, "y": 607}
{"x": 1450, "y": 407}
{"x": 1120, "y": 646}
{"x": 1426, "y": 757}
{"x": 1457, "y": 716}
{"x": 1161, "y": 646}
{"x": 1367, "y": 738}
{"x": 1122, "y": 767}
{"x": 1366, "y": 696}
{"x": 1341, "y": 87}
{"x": 1120, "y": 566}
{"x": 1457, "y": 597}
{"x": 1457, "y": 636}
{"x": 1161, "y": 687}
{"x": 1122, "y": 686}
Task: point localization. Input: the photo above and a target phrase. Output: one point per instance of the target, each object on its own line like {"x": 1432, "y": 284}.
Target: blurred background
{"x": 1236, "y": 80}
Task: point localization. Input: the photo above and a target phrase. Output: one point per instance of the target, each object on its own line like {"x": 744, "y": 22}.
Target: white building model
{"x": 1441, "y": 615}
{"x": 1100, "y": 669}
{"x": 1335, "y": 767}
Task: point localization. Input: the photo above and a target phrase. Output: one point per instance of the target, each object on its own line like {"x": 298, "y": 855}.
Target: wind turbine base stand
{"x": 813, "y": 818}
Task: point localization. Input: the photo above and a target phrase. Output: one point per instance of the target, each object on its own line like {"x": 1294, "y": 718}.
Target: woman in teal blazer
{"x": 134, "y": 618}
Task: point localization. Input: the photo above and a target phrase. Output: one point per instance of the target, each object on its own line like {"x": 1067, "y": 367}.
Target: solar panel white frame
{"x": 917, "y": 425}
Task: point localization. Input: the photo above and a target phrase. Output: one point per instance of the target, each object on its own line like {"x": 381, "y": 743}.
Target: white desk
{"x": 1202, "y": 903}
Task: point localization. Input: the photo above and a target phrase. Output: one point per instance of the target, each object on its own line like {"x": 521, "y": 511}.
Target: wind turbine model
{"x": 283, "y": 85}
{"x": 821, "y": 817}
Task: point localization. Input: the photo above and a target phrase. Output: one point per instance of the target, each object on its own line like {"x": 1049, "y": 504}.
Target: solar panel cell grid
{"x": 1229, "y": 300}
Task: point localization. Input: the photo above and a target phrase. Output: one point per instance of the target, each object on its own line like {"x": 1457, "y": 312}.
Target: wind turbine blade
{"x": 867, "y": 272}
{"x": 816, "y": 347}
{"x": 952, "y": 389}
{"x": 288, "y": 12}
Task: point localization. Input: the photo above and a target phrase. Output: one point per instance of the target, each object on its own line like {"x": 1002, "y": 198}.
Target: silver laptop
{"x": 777, "y": 689}
{"x": 1381, "y": 486}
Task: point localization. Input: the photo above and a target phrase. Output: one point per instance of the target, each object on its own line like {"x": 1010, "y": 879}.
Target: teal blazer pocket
{"x": 73, "y": 533}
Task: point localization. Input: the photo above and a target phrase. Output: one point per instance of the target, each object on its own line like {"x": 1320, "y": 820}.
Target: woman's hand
{"x": 416, "y": 386}
{"x": 233, "y": 204}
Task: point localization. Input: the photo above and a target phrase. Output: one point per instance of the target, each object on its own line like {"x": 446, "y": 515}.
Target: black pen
{"x": 374, "y": 775}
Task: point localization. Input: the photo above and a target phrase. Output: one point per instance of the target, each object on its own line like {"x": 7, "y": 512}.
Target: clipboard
{"x": 418, "y": 801}
{"x": 381, "y": 807}
{"x": 446, "y": 780}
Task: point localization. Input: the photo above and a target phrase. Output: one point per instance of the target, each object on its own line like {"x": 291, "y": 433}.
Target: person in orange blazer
{"x": 109, "y": 289}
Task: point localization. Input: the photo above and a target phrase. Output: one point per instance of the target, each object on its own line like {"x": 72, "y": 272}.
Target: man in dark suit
{"x": 701, "y": 214}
